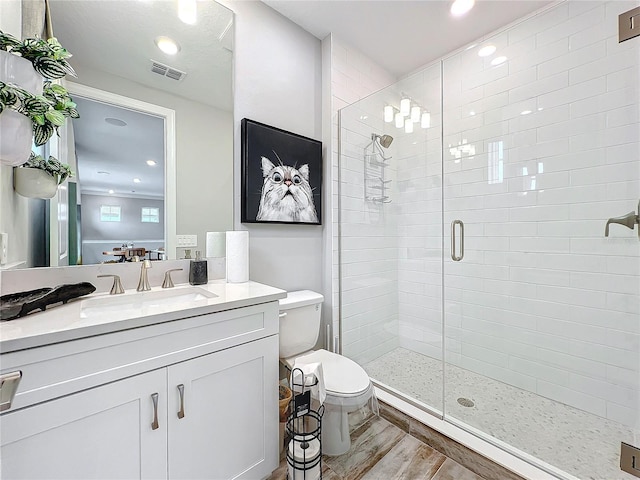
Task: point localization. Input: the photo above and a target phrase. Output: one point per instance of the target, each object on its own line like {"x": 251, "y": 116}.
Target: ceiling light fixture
{"x": 388, "y": 113}
{"x": 187, "y": 11}
{"x": 408, "y": 126}
{"x": 399, "y": 120}
{"x": 460, "y": 7}
{"x": 487, "y": 50}
{"x": 425, "y": 121}
{"x": 136, "y": 180}
{"x": 168, "y": 46}
{"x": 116, "y": 122}
{"x": 498, "y": 61}
{"x": 405, "y": 107}
{"x": 415, "y": 113}
{"x": 111, "y": 192}
{"x": 151, "y": 163}
{"x": 525, "y": 112}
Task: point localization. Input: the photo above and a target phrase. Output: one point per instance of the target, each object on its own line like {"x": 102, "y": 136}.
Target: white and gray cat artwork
{"x": 286, "y": 194}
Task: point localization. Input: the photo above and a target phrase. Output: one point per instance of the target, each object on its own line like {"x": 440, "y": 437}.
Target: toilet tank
{"x": 299, "y": 322}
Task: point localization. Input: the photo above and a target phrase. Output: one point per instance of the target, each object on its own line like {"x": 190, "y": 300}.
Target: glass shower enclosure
{"x": 476, "y": 279}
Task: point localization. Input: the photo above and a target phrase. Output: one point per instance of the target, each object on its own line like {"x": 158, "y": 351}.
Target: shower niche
{"x": 376, "y": 185}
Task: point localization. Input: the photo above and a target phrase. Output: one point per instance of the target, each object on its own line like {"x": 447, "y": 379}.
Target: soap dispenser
{"x": 198, "y": 271}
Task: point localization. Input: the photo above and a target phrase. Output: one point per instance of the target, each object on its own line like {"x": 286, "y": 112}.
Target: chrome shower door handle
{"x": 455, "y": 257}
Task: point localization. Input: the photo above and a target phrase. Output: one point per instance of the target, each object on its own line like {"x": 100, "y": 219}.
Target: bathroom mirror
{"x": 115, "y": 46}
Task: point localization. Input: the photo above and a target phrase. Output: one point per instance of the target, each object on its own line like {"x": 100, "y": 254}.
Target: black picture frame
{"x": 280, "y": 148}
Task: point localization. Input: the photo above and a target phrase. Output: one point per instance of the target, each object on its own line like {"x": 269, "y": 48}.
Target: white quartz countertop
{"x": 62, "y": 323}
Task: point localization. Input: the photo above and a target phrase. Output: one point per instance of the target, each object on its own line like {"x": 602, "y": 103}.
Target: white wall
{"x": 277, "y": 82}
{"x": 369, "y": 301}
{"x": 13, "y": 207}
{"x": 543, "y": 300}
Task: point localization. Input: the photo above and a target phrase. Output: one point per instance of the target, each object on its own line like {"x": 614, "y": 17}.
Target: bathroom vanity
{"x": 184, "y": 387}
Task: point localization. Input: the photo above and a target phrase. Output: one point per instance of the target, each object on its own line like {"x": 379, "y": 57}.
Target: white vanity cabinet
{"x": 194, "y": 398}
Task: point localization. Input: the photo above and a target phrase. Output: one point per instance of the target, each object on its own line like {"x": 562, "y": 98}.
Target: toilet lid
{"x": 342, "y": 376}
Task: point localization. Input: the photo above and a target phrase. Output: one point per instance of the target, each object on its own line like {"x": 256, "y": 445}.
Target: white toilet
{"x": 348, "y": 386}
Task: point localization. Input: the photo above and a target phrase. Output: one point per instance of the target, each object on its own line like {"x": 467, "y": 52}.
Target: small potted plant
{"x": 30, "y": 109}
{"x": 39, "y": 178}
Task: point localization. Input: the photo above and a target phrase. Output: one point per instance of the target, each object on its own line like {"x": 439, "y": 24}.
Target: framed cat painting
{"x": 281, "y": 176}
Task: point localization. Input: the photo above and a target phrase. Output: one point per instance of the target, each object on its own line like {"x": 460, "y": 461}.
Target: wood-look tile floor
{"x": 382, "y": 451}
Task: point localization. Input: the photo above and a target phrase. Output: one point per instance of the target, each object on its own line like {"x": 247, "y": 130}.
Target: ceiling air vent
{"x": 167, "y": 71}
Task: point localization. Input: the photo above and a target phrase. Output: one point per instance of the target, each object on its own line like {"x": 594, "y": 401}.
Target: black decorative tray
{"x": 19, "y": 304}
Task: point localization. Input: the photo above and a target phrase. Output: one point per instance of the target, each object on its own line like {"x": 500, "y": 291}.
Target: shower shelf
{"x": 375, "y": 163}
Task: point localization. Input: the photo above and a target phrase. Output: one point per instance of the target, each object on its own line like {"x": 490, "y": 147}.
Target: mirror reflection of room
{"x": 120, "y": 180}
{"x": 117, "y": 200}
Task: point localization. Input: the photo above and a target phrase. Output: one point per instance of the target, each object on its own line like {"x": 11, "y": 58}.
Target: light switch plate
{"x": 185, "y": 241}
{"x": 4, "y": 248}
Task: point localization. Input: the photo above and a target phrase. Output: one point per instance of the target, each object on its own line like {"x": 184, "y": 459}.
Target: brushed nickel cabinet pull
{"x": 181, "y": 411}
{"x": 154, "y": 424}
{"x": 455, "y": 257}
{"x": 8, "y": 386}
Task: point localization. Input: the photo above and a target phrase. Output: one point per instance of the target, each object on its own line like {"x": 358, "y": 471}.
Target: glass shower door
{"x": 542, "y": 311}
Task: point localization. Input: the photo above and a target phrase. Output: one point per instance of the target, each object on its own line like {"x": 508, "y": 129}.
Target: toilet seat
{"x": 343, "y": 377}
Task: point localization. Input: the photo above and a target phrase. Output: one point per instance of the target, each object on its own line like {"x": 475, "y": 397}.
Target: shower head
{"x": 385, "y": 140}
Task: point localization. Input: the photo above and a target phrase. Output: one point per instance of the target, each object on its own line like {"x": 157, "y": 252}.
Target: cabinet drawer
{"x": 56, "y": 370}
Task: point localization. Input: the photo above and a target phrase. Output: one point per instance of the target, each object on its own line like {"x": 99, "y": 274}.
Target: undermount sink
{"x": 144, "y": 303}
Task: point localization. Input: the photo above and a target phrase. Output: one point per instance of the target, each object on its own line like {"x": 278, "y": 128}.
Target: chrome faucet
{"x": 116, "y": 289}
{"x": 629, "y": 220}
{"x": 143, "y": 284}
{"x": 168, "y": 282}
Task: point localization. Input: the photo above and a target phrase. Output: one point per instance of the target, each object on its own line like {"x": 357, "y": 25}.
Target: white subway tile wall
{"x": 559, "y": 314}
{"x": 369, "y": 302}
{"x": 542, "y": 300}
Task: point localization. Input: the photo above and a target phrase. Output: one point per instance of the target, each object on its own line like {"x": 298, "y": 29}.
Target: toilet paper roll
{"x": 237, "y": 246}
{"x": 302, "y": 449}
{"x": 215, "y": 244}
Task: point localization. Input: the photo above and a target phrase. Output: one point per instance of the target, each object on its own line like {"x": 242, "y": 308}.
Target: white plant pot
{"x": 16, "y": 138}
{"x": 16, "y": 134}
{"x": 34, "y": 183}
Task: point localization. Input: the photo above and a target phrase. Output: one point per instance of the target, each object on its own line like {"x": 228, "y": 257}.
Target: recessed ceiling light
{"x": 151, "y": 163}
{"x": 116, "y": 122}
{"x": 136, "y": 180}
{"x": 460, "y": 7}
{"x": 111, "y": 191}
{"x": 472, "y": 113}
{"x": 525, "y": 112}
{"x": 487, "y": 50}
{"x": 498, "y": 60}
{"x": 168, "y": 46}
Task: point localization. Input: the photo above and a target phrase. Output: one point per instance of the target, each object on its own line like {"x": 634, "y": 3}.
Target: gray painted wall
{"x": 278, "y": 71}
{"x": 130, "y": 226}
{"x": 204, "y": 149}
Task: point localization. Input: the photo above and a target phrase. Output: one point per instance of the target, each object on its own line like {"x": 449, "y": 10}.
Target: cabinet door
{"x": 230, "y": 423}
{"x": 101, "y": 433}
